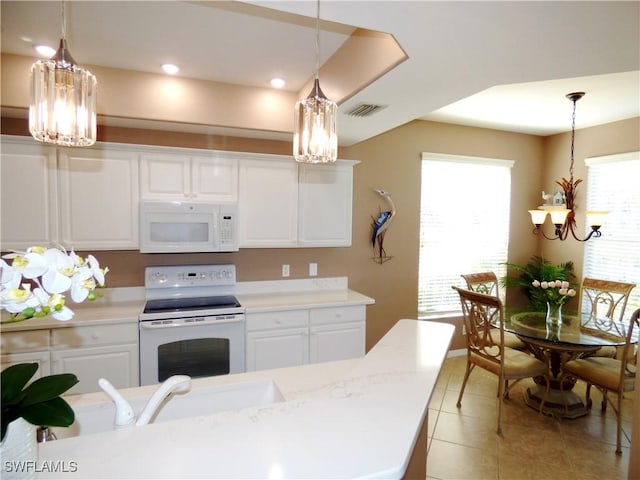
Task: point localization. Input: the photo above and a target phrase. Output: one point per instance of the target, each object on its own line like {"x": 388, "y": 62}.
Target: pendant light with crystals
{"x": 63, "y": 99}
{"x": 315, "y": 139}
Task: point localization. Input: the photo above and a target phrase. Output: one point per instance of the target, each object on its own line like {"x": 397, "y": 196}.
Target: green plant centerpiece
{"x": 33, "y": 286}
{"x": 529, "y": 278}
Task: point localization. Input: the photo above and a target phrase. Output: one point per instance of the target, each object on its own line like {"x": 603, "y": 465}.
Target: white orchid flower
{"x": 9, "y": 276}
{"x": 64, "y": 314}
{"x": 55, "y": 305}
{"x": 82, "y": 283}
{"x": 97, "y": 272}
{"x": 16, "y": 300}
{"x": 31, "y": 265}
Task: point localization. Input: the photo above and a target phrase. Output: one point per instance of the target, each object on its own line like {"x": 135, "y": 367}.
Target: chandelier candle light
{"x": 315, "y": 139}
{"x": 563, "y": 215}
{"x": 63, "y": 99}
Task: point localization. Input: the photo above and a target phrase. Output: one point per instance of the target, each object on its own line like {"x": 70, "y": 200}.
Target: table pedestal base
{"x": 557, "y": 404}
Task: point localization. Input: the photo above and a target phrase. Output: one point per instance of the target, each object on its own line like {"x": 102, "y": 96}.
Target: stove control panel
{"x": 189, "y": 276}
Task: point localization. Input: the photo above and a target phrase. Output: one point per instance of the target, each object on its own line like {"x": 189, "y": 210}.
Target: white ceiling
{"x": 504, "y": 65}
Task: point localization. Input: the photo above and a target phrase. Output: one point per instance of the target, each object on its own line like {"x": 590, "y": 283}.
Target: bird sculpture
{"x": 381, "y": 224}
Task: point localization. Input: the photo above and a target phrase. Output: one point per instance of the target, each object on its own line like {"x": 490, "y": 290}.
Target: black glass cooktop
{"x": 192, "y": 303}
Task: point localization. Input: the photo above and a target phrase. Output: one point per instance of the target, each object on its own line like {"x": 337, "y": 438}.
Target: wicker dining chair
{"x": 487, "y": 283}
{"x": 609, "y": 375}
{"x": 480, "y": 312}
{"x": 604, "y": 299}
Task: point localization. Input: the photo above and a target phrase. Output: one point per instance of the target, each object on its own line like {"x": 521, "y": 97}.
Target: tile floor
{"x": 463, "y": 443}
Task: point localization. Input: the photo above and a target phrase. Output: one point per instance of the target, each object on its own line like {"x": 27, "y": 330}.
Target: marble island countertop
{"x": 349, "y": 419}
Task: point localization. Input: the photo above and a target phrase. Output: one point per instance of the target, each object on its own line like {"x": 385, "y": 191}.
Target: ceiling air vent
{"x": 364, "y": 110}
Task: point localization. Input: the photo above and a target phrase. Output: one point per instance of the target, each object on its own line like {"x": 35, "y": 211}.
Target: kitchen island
{"x": 354, "y": 418}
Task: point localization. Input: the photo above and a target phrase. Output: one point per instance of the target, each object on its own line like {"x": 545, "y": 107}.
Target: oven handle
{"x": 150, "y": 325}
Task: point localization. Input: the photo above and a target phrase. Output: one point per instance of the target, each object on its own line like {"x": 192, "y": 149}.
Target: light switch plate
{"x": 313, "y": 269}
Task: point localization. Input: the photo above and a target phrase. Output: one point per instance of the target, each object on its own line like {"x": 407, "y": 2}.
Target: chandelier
{"x": 63, "y": 99}
{"x": 562, "y": 207}
{"x": 315, "y": 139}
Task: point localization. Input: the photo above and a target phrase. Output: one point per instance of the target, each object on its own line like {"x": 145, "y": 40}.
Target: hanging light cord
{"x": 318, "y": 40}
{"x": 573, "y": 136}
{"x": 64, "y": 24}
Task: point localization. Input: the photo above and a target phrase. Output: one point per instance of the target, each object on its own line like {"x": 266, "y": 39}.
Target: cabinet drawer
{"x": 26, "y": 341}
{"x": 321, "y": 316}
{"x": 94, "y": 335}
{"x": 283, "y": 319}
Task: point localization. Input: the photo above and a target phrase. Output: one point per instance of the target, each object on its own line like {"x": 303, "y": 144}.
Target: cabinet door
{"x": 116, "y": 363}
{"x": 268, "y": 207}
{"x": 28, "y": 186}
{"x": 337, "y": 342}
{"x": 214, "y": 179}
{"x": 99, "y": 199}
{"x": 325, "y": 193}
{"x": 42, "y": 358}
{"x": 165, "y": 177}
{"x": 277, "y": 348}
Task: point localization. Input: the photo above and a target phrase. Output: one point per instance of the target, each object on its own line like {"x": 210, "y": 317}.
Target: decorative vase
{"x": 19, "y": 451}
{"x": 553, "y": 320}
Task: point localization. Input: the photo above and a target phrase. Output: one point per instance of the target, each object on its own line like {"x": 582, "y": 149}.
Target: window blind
{"x": 464, "y": 225}
{"x": 612, "y": 185}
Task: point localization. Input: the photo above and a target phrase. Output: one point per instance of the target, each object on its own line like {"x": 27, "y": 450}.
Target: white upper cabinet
{"x": 29, "y": 207}
{"x": 98, "y": 198}
{"x": 180, "y": 176}
{"x": 284, "y": 204}
{"x": 325, "y": 205}
{"x": 268, "y": 206}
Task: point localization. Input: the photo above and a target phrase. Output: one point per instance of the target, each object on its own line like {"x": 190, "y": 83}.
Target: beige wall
{"x": 392, "y": 161}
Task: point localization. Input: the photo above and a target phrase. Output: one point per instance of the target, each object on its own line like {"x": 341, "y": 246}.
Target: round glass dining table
{"x": 577, "y": 336}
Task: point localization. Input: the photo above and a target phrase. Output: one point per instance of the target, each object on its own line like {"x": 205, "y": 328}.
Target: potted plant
{"x": 38, "y": 403}
{"x": 33, "y": 286}
{"x": 540, "y": 270}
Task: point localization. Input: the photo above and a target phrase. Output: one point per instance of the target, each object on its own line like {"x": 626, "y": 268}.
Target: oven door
{"x": 196, "y": 346}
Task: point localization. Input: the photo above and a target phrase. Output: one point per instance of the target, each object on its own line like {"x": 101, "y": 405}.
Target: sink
{"x": 98, "y": 416}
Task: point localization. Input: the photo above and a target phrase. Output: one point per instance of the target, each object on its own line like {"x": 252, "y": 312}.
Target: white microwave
{"x": 179, "y": 227}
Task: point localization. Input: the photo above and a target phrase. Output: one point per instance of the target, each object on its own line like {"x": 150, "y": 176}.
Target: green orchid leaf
{"x": 51, "y": 413}
{"x": 13, "y": 379}
{"x": 47, "y": 388}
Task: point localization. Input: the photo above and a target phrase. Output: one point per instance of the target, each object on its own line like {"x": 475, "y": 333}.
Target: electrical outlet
{"x": 285, "y": 270}
{"x": 313, "y": 269}
{"x": 464, "y": 329}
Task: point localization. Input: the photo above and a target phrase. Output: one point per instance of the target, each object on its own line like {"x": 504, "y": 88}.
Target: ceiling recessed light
{"x": 170, "y": 68}
{"x": 277, "y": 82}
{"x": 45, "y": 51}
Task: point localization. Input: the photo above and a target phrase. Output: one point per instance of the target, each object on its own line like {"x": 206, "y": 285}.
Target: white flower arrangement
{"x": 52, "y": 271}
{"x": 556, "y": 292}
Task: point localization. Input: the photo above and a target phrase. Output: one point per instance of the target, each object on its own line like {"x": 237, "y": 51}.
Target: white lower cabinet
{"x": 297, "y": 337}
{"x": 26, "y": 347}
{"x": 90, "y": 352}
{"x": 116, "y": 363}
{"x": 277, "y": 339}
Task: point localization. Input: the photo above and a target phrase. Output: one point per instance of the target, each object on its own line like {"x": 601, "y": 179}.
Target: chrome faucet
{"x": 125, "y": 416}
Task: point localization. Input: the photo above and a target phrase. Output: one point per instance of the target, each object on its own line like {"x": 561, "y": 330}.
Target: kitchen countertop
{"x": 123, "y": 305}
{"x": 347, "y": 419}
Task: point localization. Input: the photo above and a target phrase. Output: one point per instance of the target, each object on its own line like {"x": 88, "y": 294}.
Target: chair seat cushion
{"x": 511, "y": 340}
{"x": 517, "y": 364}
{"x": 600, "y": 371}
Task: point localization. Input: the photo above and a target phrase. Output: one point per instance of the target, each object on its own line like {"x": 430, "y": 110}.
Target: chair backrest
{"x": 604, "y": 298}
{"x": 483, "y": 282}
{"x": 482, "y": 313}
{"x": 628, "y": 357}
